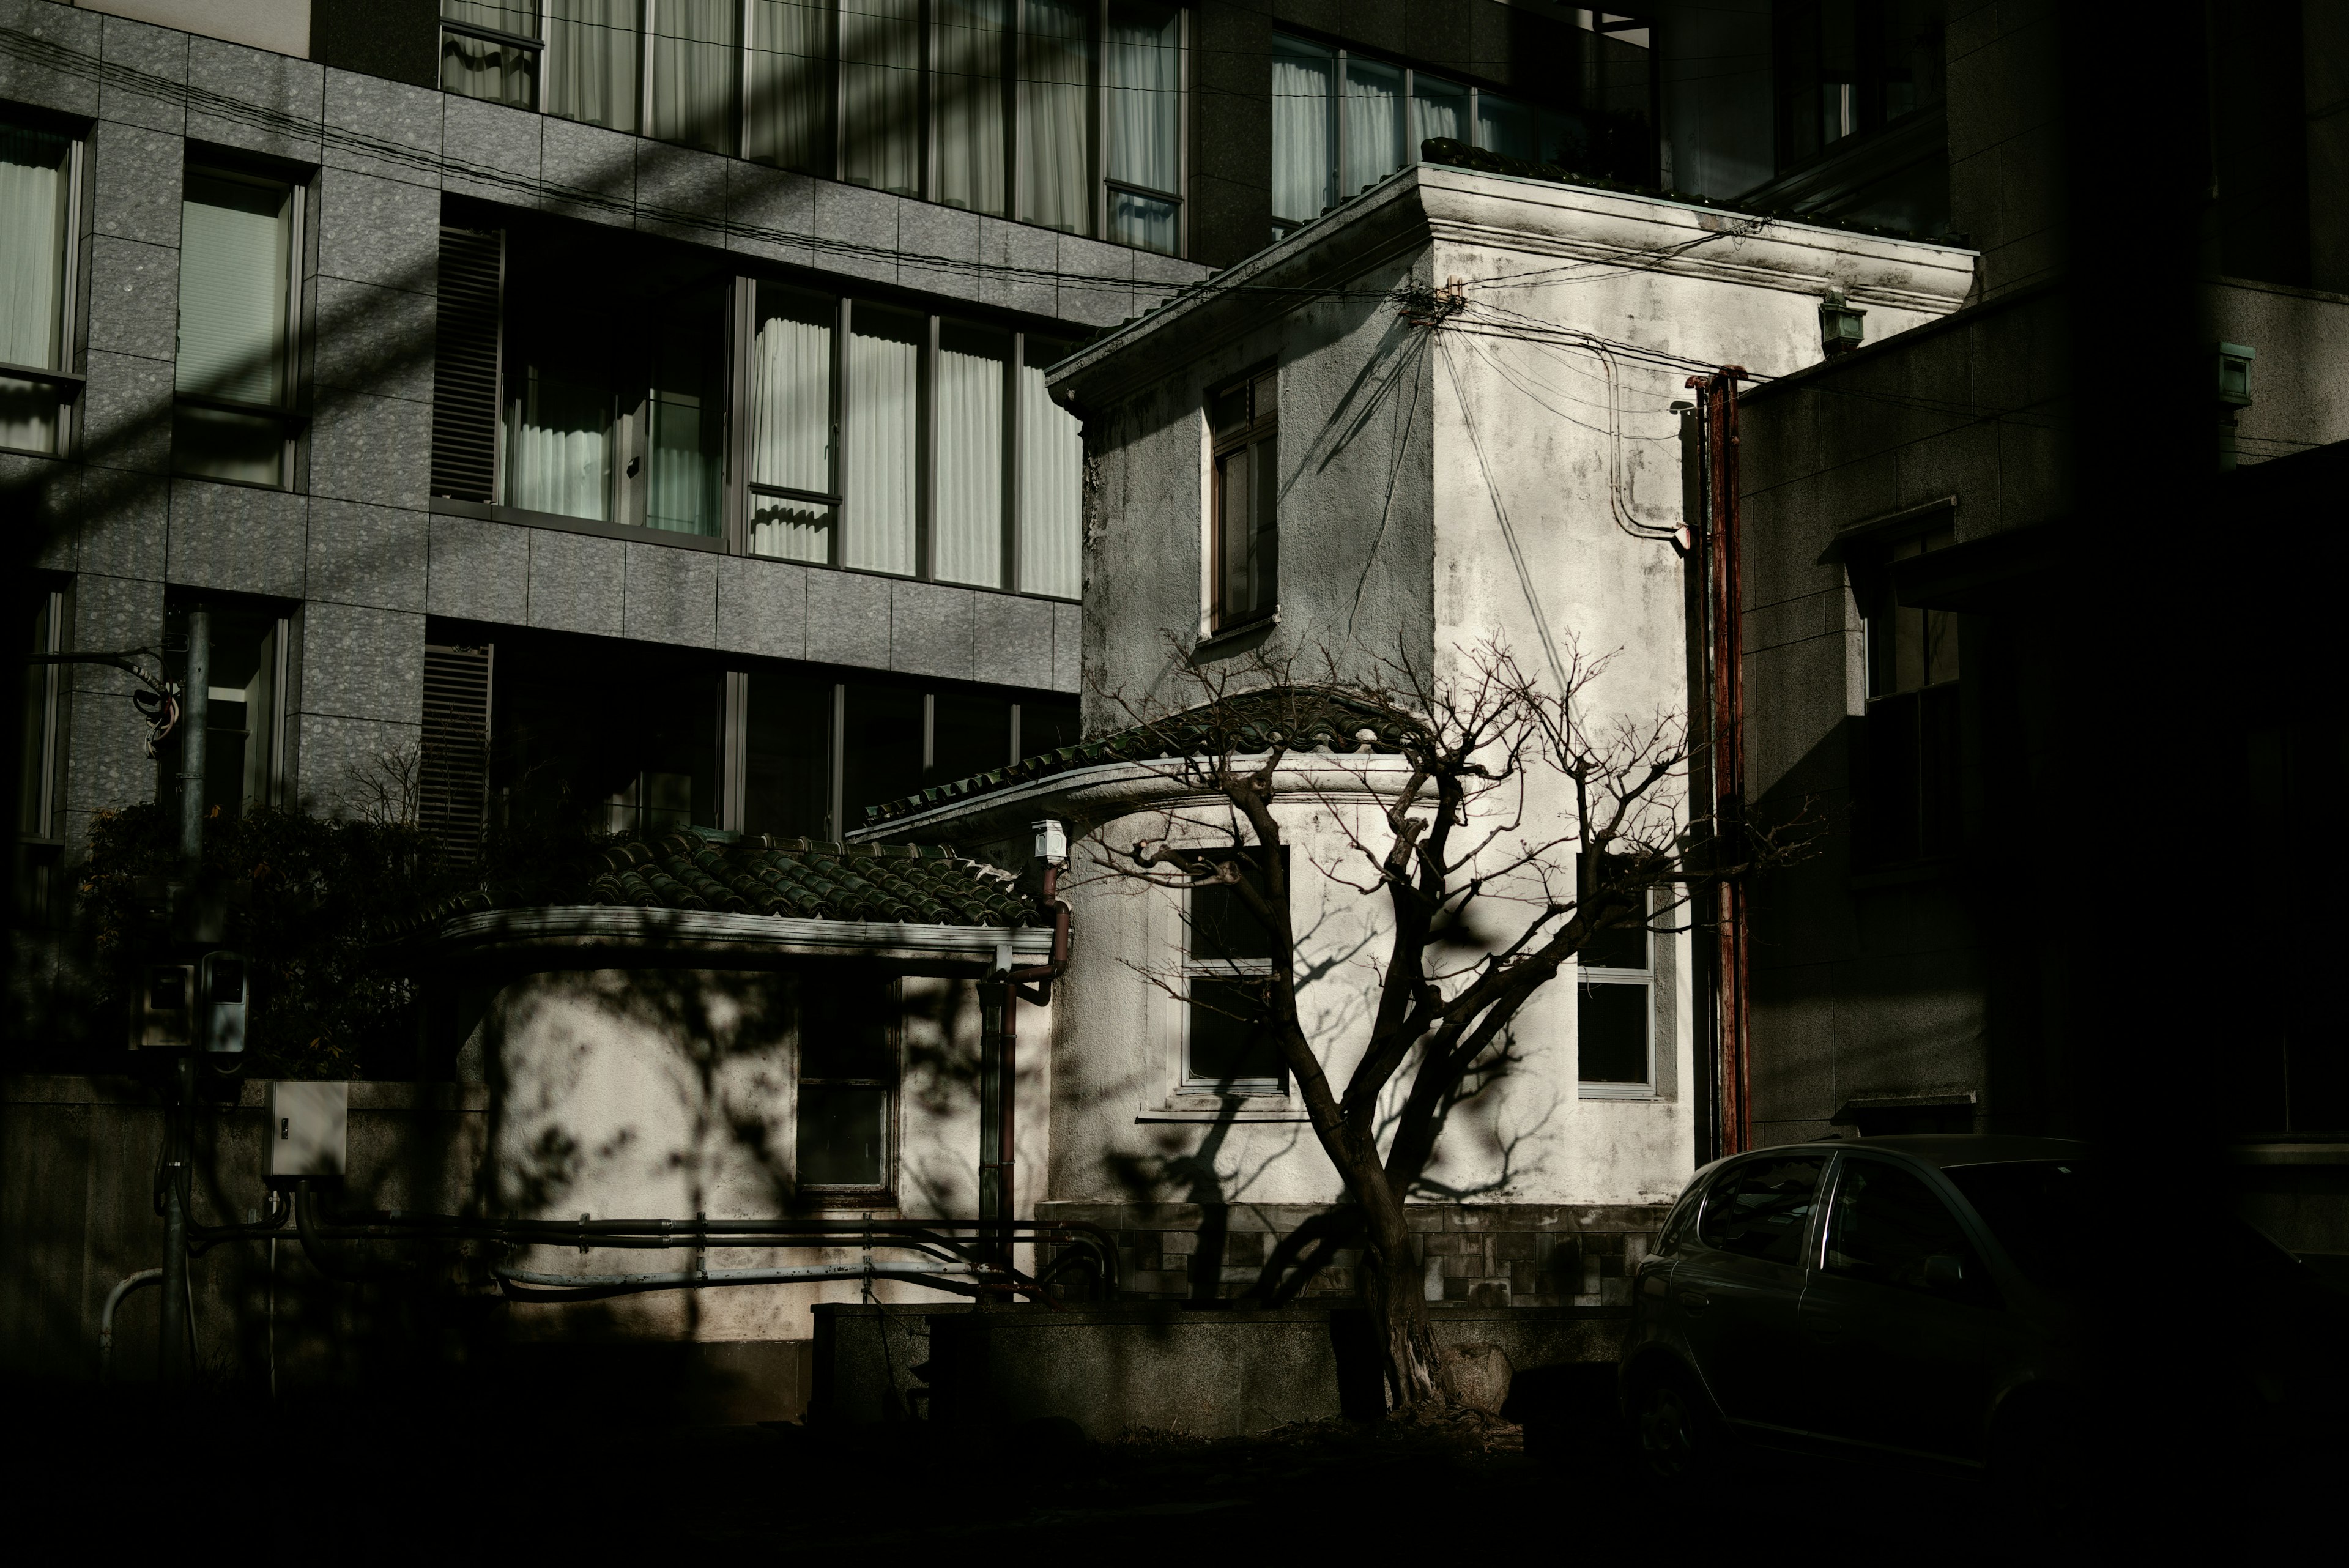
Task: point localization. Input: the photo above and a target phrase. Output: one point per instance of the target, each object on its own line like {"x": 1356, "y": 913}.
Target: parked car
{"x": 1937, "y": 1297}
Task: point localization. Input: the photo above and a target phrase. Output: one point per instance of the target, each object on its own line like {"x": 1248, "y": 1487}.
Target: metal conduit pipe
{"x": 597, "y": 1287}
{"x": 115, "y": 1298}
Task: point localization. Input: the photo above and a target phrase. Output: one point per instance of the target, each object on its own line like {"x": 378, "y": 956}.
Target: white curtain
{"x": 1054, "y": 146}
{"x": 479, "y": 68}
{"x": 884, "y": 360}
{"x": 1373, "y": 111}
{"x": 1052, "y": 484}
{"x": 235, "y": 268}
{"x": 1438, "y": 108}
{"x": 1304, "y": 130}
{"x": 880, "y": 94}
{"x": 1143, "y": 69}
{"x": 790, "y": 425}
{"x": 966, "y": 97}
{"x": 787, "y": 117}
{"x": 967, "y": 545}
{"x": 558, "y": 448}
{"x": 32, "y": 279}
{"x": 591, "y": 61}
{"x": 693, "y": 72}
{"x": 681, "y": 491}
{"x": 1505, "y": 126}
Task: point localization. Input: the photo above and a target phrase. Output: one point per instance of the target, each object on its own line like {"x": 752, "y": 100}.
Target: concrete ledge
{"x": 366, "y": 1094}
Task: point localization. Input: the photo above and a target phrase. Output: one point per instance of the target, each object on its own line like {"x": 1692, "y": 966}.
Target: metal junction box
{"x": 162, "y": 1009}
{"x": 309, "y": 1130}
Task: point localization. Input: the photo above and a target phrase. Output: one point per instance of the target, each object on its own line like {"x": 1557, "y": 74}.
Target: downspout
{"x": 1717, "y": 400}
{"x": 1035, "y": 984}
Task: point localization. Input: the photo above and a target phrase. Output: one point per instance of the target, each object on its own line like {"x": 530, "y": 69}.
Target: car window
{"x": 1676, "y": 1223}
{"x": 2038, "y": 1210}
{"x": 1760, "y": 1209}
{"x": 1886, "y": 1223}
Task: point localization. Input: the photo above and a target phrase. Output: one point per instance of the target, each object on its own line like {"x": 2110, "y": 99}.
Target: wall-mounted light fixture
{"x": 1841, "y": 325}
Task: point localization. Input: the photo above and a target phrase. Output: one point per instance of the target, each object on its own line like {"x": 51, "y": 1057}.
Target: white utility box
{"x": 309, "y": 1130}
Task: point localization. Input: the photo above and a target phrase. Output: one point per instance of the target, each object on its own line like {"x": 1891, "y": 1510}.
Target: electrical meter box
{"x": 309, "y": 1131}
{"x": 221, "y": 1023}
{"x": 162, "y": 1009}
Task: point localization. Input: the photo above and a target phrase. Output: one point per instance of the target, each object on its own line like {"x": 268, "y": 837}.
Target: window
{"x": 39, "y": 173}
{"x": 1244, "y": 553}
{"x": 240, "y": 256}
{"x": 1342, "y": 121}
{"x": 1850, "y": 67}
{"x": 41, "y": 612}
{"x": 1762, "y": 1208}
{"x": 1909, "y": 806}
{"x": 848, "y": 1052}
{"x": 1886, "y": 1224}
{"x": 1615, "y": 1014}
{"x": 1227, "y": 969}
{"x": 244, "y": 741}
{"x": 1065, "y": 113}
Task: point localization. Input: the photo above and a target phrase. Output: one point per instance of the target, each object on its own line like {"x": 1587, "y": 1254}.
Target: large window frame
{"x": 1617, "y": 965}
{"x": 286, "y": 412}
{"x": 52, "y": 376}
{"x": 1214, "y": 916}
{"x": 888, "y": 1011}
{"x": 1911, "y": 752}
{"x": 516, "y": 77}
{"x": 1242, "y": 552}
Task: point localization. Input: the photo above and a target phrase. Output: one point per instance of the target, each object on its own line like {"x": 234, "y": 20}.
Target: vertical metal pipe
{"x": 1007, "y": 1105}
{"x": 172, "y": 1350}
{"x": 194, "y": 703}
{"x": 1717, "y": 396}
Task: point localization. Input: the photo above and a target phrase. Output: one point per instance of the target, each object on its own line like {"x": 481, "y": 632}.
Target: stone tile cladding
{"x": 1482, "y": 1254}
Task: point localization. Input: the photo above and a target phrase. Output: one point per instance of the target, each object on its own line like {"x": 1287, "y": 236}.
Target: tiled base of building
{"x": 1482, "y": 1254}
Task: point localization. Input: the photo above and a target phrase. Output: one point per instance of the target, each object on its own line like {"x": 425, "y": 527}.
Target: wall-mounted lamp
{"x": 1841, "y": 326}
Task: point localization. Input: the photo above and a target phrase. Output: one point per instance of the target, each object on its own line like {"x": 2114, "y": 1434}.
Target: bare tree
{"x": 1505, "y": 828}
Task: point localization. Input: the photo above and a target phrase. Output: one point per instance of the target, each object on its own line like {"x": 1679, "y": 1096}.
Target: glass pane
{"x": 1438, "y": 108}
{"x": 32, "y": 753}
{"x": 967, "y": 546}
{"x": 1143, "y": 71}
{"x": 1304, "y": 129}
{"x": 1222, "y": 925}
{"x": 1229, "y": 1048}
{"x": 591, "y": 61}
{"x": 1617, "y": 947}
{"x": 478, "y": 68}
{"x": 33, "y": 228}
{"x": 1506, "y": 126}
{"x": 884, "y": 360}
{"x": 843, "y": 1136}
{"x": 846, "y": 1027}
{"x": 1232, "y": 535}
{"x": 788, "y": 120}
{"x": 882, "y": 758}
{"x": 1886, "y": 1222}
{"x": 1052, "y": 482}
{"x": 688, "y": 405}
{"x": 1144, "y": 222}
{"x": 235, "y": 272}
{"x": 241, "y": 709}
{"x": 1611, "y": 1033}
{"x": 788, "y": 761}
{"x": 28, "y": 413}
{"x": 880, "y": 94}
{"x": 1049, "y": 726}
{"x": 604, "y": 737}
{"x": 791, "y": 421}
{"x": 559, "y": 440}
{"x": 970, "y": 734}
{"x": 1373, "y": 112}
{"x": 967, "y": 99}
{"x": 211, "y": 444}
{"x": 1055, "y": 147}
{"x": 693, "y": 72}
{"x": 1763, "y": 1210}
{"x": 2039, "y": 1211}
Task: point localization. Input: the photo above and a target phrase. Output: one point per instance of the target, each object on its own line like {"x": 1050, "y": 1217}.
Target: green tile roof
{"x": 1250, "y": 723}
{"x": 792, "y": 877}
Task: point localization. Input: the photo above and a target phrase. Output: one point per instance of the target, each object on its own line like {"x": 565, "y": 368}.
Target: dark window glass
{"x": 2040, "y": 1210}
{"x": 1884, "y": 1225}
{"x": 842, "y": 1135}
{"x": 1048, "y": 726}
{"x": 687, "y": 410}
{"x": 1615, "y": 947}
{"x": 1910, "y": 746}
{"x": 1846, "y": 66}
{"x": 848, "y": 1080}
{"x": 1230, "y": 1047}
{"x": 1223, "y": 926}
{"x": 1246, "y": 503}
{"x": 241, "y": 720}
{"x": 881, "y": 756}
{"x": 34, "y": 755}
{"x": 1761, "y": 1209}
{"x": 617, "y": 739}
{"x": 1612, "y": 1032}
{"x": 970, "y": 734}
{"x": 1676, "y": 1225}
{"x": 788, "y": 756}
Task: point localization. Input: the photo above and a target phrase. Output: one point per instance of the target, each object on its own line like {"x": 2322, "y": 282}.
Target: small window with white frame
{"x": 1615, "y": 1014}
{"x": 1227, "y": 974}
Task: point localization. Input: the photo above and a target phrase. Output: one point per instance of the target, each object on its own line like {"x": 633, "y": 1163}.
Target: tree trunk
{"x": 1417, "y": 1377}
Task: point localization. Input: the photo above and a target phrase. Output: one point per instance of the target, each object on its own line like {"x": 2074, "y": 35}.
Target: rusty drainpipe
{"x": 1717, "y": 396}
{"x": 1034, "y": 983}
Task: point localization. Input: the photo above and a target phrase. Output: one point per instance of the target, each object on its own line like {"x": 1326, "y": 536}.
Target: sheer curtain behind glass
{"x": 788, "y": 117}
{"x": 33, "y": 180}
{"x": 884, "y": 381}
{"x": 792, "y": 423}
{"x": 1304, "y": 130}
{"x": 880, "y": 94}
{"x": 1143, "y": 73}
{"x": 1052, "y": 482}
{"x": 1438, "y": 108}
{"x": 694, "y": 65}
{"x": 1506, "y": 126}
{"x": 966, "y": 97}
{"x": 591, "y": 61}
{"x": 560, "y": 408}
{"x": 1373, "y": 111}
{"x": 687, "y": 415}
{"x": 482, "y": 69}
{"x": 236, "y": 289}
{"x": 1054, "y": 144}
{"x": 967, "y": 546}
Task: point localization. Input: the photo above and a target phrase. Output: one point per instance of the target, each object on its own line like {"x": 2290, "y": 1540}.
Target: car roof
{"x": 1947, "y": 1149}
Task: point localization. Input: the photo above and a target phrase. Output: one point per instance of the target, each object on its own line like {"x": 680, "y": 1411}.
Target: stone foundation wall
{"x": 1476, "y": 1254}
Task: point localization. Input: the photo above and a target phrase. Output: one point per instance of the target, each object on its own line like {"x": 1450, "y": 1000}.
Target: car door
{"x": 1904, "y": 1332}
{"x": 1737, "y": 1287}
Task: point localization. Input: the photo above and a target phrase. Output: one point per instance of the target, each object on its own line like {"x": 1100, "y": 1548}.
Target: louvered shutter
{"x": 453, "y": 795}
{"x": 466, "y": 347}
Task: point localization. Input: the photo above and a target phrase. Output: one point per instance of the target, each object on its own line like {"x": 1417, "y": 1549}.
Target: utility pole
{"x": 173, "y": 1352}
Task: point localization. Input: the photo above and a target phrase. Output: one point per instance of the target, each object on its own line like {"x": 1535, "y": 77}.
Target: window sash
{"x": 40, "y": 173}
